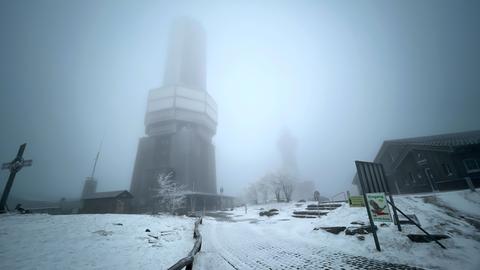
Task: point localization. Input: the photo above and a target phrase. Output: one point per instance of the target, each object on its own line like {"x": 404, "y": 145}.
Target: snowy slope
{"x": 93, "y": 241}
{"x": 462, "y": 250}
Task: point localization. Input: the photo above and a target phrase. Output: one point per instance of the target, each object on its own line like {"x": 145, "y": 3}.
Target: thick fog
{"x": 342, "y": 76}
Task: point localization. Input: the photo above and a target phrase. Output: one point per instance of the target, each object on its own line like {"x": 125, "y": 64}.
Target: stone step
{"x": 314, "y": 213}
{"x": 334, "y": 230}
{"x": 304, "y": 216}
{"x": 405, "y": 221}
{"x": 336, "y": 205}
{"x": 423, "y": 238}
{"x": 321, "y": 208}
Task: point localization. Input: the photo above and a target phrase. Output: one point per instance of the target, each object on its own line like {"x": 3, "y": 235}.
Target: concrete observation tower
{"x": 180, "y": 121}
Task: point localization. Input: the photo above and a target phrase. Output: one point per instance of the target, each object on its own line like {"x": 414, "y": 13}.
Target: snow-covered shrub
{"x": 169, "y": 195}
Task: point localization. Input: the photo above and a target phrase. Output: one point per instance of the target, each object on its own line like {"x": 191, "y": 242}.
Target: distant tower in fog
{"x": 180, "y": 121}
{"x": 186, "y": 61}
{"x": 90, "y": 185}
{"x": 287, "y": 146}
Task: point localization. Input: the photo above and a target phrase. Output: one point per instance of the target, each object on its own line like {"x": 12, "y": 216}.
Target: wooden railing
{"x": 188, "y": 260}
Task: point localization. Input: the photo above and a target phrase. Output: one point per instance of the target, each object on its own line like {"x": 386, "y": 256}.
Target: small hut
{"x": 107, "y": 202}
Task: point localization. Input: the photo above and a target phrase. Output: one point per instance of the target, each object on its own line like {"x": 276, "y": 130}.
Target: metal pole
{"x": 411, "y": 220}
{"x": 387, "y": 186}
{"x": 372, "y": 224}
{"x": 470, "y": 183}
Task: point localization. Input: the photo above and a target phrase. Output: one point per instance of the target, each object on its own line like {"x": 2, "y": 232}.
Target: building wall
{"x": 106, "y": 205}
{"x": 470, "y": 152}
{"x": 89, "y": 187}
{"x": 432, "y": 170}
{"x": 144, "y": 171}
{"x": 199, "y": 202}
{"x": 188, "y": 153}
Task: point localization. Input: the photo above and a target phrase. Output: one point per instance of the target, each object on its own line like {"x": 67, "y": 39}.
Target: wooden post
{"x": 14, "y": 166}
{"x": 470, "y": 184}
{"x": 372, "y": 224}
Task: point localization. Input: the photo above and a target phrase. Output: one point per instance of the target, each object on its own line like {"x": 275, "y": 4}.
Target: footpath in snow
{"x": 108, "y": 241}
{"x": 235, "y": 240}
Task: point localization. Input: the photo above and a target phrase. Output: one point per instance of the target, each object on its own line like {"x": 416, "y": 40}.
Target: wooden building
{"x": 198, "y": 201}
{"x": 107, "y": 202}
{"x": 431, "y": 163}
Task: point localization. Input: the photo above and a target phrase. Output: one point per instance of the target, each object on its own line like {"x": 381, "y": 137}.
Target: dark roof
{"x": 108, "y": 194}
{"x": 451, "y": 139}
{"x": 442, "y": 142}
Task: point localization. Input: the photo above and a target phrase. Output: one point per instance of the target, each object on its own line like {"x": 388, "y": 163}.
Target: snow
{"x": 464, "y": 201}
{"x": 43, "y": 241}
{"x": 224, "y": 240}
{"x": 462, "y": 249}
{"x": 246, "y": 241}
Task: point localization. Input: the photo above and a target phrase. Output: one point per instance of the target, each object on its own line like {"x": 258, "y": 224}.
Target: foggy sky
{"x": 342, "y": 76}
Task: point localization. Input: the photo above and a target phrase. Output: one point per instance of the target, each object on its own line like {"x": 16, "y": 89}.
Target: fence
{"x": 337, "y": 195}
{"x": 188, "y": 260}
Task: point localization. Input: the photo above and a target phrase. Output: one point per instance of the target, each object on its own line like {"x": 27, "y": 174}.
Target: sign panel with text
{"x": 379, "y": 207}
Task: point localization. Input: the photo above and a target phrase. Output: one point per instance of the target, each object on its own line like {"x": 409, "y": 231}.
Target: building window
{"x": 447, "y": 170}
{"x": 412, "y": 177}
{"x": 472, "y": 165}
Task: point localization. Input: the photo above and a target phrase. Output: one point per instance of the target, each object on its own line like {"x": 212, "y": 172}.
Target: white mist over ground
{"x": 342, "y": 77}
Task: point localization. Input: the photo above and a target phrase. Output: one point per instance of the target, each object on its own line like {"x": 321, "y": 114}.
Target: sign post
{"x": 372, "y": 224}
{"x": 374, "y": 185}
{"x": 14, "y": 166}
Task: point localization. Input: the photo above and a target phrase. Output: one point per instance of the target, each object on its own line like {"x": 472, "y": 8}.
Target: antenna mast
{"x": 96, "y": 159}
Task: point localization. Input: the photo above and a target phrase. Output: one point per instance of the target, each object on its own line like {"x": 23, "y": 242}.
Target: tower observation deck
{"x": 180, "y": 121}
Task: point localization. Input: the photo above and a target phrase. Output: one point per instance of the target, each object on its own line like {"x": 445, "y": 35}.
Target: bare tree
{"x": 274, "y": 185}
{"x": 252, "y": 193}
{"x": 263, "y": 187}
{"x": 278, "y": 191}
{"x": 170, "y": 195}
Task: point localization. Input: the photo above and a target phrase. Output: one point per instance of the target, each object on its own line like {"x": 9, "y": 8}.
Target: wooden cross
{"x": 14, "y": 166}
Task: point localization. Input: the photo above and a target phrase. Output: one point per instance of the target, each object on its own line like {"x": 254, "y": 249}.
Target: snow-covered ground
{"x": 41, "y": 241}
{"x": 281, "y": 241}
{"x": 245, "y": 241}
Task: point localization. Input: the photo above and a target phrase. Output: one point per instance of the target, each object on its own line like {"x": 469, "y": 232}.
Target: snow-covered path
{"x": 242, "y": 245}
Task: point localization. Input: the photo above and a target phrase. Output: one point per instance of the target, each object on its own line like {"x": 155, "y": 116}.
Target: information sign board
{"x": 379, "y": 207}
